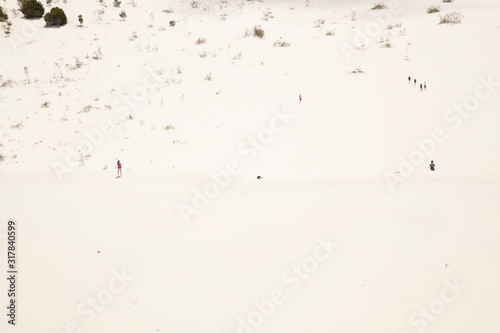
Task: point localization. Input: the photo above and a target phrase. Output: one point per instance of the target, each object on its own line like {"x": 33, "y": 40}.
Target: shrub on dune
{"x": 32, "y": 9}
{"x": 56, "y": 17}
{"x": 3, "y": 16}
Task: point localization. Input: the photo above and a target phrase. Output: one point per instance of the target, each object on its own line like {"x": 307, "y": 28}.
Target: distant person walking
{"x": 420, "y": 86}
{"x": 300, "y": 98}
{"x": 425, "y": 85}
{"x": 432, "y": 166}
{"x": 119, "y": 167}
{"x": 414, "y": 82}
{"x": 409, "y": 79}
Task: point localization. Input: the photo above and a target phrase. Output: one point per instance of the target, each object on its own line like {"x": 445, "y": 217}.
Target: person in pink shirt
{"x": 119, "y": 167}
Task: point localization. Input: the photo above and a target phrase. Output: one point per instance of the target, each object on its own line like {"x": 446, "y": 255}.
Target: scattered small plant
{"x": 45, "y": 105}
{"x": 117, "y": 3}
{"x": 80, "y": 19}
{"x": 258, "y": 31}
{"x": 448, "y": 0}
{"x": 100, "y": 13}
{"x": 168, "y": 11}
{"x": 26, "y": 71}
{"x": 58, "y": 64}
{"x": 86, "y": 109}
{"x": 32, "y": 9}
{"x": 391, "y": 26}
{"x": 123, "y": 15}
{"x": 379, "y": 6}
{"x": 56, "y": 17}
{"x": 168, "y": 127}
{"x": 172, "y": 23}
{"x": 282, "y": 43}
{"x": 319, "y": 23}
{"x": 385, "y": 41}
{"x": 268, "y": 15}
{"x": 354, "y": 15}
{"x": 433, "y": 9}
{"x": 133, "y": 37}
{"x": 49, "y": 2}
{"x": 238, "y": 56}
{"x": 97, "y": 54}
{"x": 357, "y": 70}
{"x": 200, "y": 41}
{"x": 195, "y": 4}
{"x": 451, "y": 18}
{"x": 203, "y": 54}
{"x": 330, "y": 33}
{"x": 208, "y": 77}
{"x": 78, "y": 64}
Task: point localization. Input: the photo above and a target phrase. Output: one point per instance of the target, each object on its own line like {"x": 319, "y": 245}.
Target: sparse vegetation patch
{"x": 433, "y": 9}
{"x": 451, "y": 18}
{"x": 379, "y": 6}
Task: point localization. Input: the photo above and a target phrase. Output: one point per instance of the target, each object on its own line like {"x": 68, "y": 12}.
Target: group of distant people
{"x": 422, "y": 86}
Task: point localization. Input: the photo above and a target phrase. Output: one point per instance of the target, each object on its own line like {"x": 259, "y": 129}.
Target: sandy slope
{"x": 189, "y": 239}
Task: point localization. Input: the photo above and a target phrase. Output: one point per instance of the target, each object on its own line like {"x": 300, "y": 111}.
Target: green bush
{"x": 56, "y": 17}
{"x": 32, "y": 9}
{"x": 3, "y": 15}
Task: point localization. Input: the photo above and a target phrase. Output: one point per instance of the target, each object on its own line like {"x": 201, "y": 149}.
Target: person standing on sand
{"x": 425, "y": 85}
{"x": 119, "y": 167}
{"x": 409, "y": 79}
{"x": 420, "y": 86}
{"x": 432, "y": 166}
{"x": 300, "y": 98}
{"x": 414, "y": 82}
